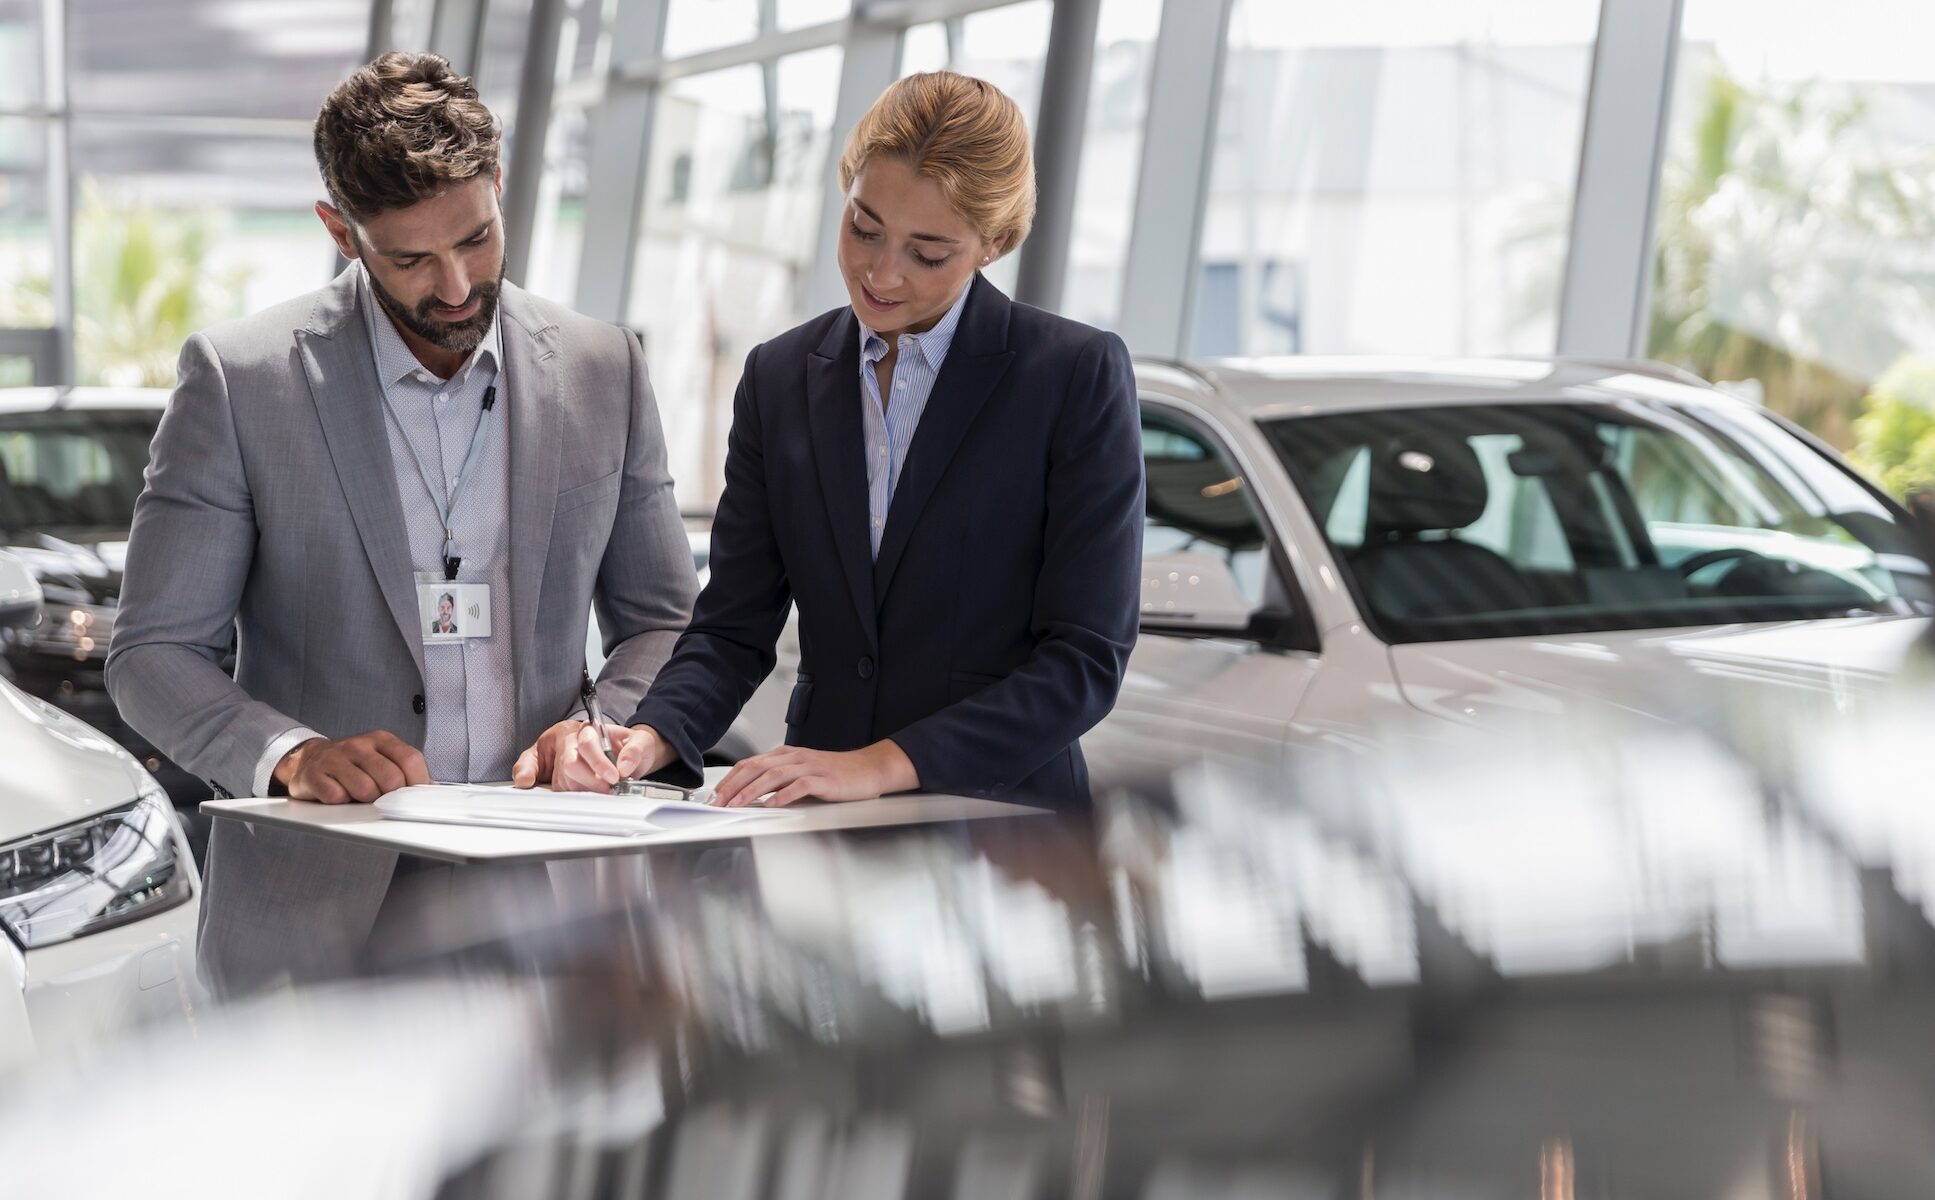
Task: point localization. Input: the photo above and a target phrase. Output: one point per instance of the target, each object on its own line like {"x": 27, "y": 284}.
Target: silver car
{"x": 1338, "y": 547}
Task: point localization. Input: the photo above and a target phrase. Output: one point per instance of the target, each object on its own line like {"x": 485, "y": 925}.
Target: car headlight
{"x": 95, "y": 874}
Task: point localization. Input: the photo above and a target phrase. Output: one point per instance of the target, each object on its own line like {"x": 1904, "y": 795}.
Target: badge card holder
{"x": 451, "y": 612}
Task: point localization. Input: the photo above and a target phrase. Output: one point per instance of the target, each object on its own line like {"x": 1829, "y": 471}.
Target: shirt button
{"x": 900, "y": 385}
{"x": 876, "y": 522}
{"x": 442, "y": 396}
{"x": 453, "y": 481}
{"x": 883, "y": 451}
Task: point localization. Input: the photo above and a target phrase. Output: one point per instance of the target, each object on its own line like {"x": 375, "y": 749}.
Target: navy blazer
{"x": 994, "y": 628}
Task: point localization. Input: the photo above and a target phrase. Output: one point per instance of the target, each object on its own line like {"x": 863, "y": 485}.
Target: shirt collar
{"x": 394, "y": 359}
{"x": 931, "y": 346}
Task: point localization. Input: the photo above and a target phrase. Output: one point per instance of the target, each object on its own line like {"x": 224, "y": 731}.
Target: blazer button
{"x": 416, "y": 705}
{"x": 865, "y": 667}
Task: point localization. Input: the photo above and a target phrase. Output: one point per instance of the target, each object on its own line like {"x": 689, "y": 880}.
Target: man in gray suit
{"x": 326, "y": 467}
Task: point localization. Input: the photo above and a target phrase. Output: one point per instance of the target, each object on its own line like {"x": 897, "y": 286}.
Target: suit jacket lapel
{"x": 341, "y": 369}
{"x": 530, "y": 391}
{"x": 833, "y": 413}
{"x": 975, "y": 363}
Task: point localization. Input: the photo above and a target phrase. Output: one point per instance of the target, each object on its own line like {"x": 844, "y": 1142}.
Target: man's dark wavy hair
{"x": 401, "y": 130}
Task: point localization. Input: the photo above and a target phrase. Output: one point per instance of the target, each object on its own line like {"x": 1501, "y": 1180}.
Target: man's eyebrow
{"x": 923, "y": 237}
{"x": 473, "y": 235}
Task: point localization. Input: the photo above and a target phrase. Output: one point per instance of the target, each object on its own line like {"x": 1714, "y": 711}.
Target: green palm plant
{"x": 1784, "y": 211}
{"x": 143, "y": 284}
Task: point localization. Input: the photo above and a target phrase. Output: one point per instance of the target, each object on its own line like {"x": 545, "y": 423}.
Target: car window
{"x": 1199, "y": 501}
{"x": 1505, "y": 519}
{"x": 72, "y": 469}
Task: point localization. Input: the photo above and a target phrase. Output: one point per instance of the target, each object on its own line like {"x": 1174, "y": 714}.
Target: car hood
{"x": 1659, "y": 673}
{"x": 58, "y": 769}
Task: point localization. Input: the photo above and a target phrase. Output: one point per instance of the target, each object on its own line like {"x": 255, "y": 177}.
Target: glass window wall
{"x": 1795, "y": 243}
{"x": 1393, "y": 177}
{"x": 734, "y": 189}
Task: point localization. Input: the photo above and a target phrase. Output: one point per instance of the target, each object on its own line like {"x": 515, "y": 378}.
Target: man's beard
{"x": 460, "y": 337}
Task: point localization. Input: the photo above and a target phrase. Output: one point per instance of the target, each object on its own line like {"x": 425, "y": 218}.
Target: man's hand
{"x": 351, "y": 770}
{"x": 795, "y": 773}
{"x": 570, "y": 757}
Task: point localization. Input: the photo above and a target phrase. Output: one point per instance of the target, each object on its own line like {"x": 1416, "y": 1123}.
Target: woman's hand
{"x": 795, "y": 773}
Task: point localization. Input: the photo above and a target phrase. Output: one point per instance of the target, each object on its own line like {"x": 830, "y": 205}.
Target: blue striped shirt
{"x": 889, "y": 426}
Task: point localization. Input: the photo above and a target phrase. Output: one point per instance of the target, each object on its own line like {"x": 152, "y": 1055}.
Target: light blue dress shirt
{"x": 889, "y": 424}
{"x": 469, "y": 702}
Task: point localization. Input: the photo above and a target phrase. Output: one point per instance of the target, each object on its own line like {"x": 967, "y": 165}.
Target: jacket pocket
{"x": 588, "y": 493}
{"x": 801, "y": 702}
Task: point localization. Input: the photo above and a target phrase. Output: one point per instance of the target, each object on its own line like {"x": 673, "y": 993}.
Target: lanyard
{"x": 447, "y": 504}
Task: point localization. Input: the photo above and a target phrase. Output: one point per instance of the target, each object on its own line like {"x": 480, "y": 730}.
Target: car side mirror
{"x": 20, "y": 594}
{"x": 1193, "y": 592}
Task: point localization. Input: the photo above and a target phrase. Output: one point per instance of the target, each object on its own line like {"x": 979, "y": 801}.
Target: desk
{"x": 482, "y": 844}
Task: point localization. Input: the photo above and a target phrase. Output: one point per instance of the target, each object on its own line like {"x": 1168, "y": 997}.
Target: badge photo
{"x": 453, "y": 612}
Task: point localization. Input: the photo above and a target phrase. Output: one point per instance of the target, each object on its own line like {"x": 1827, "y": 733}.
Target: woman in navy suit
{"x": 946, "y": 483}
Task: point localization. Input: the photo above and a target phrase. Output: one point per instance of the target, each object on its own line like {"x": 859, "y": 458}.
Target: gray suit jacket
{"x": 271, "y": 513}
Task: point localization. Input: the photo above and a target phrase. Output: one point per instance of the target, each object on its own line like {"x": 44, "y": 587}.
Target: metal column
{"x": 529, "y": 131}
{"x": 619, "y": 147}
{"x": 1059, "y": 129}
{"x": 1179, "y": 144}
{"x": 1609, "y": 257}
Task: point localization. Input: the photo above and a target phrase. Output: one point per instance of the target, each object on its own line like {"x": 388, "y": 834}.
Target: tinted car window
{"x": 72, "y": 469}
{"x": 1513, "y": 519}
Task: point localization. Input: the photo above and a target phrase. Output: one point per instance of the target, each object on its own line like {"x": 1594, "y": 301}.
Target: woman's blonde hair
{"x": 963, "y": 133}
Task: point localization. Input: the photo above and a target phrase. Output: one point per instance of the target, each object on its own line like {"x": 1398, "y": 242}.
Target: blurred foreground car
{"x": 1335, "y": 545}
{"x": 98, "y": 892}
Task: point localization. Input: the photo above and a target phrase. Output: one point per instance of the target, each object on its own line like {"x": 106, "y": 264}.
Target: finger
{"x": 580, "y": 778}
{"x": 314, "y": 785}
{"x": 800, "y": 789}
{"x": 770, "y": 780}
{"x": 384, "y": 770}
{"x": 524, "y": 771}
{"x": 408, "y": 759}
{"x": 354, "y": 780}
{"x": 591, "y": 752}
{"x": 634, "y": 749}
{"x": 743, "y": 772}
{"x": 416, "y": 770}
{"x": 564, "y": 762}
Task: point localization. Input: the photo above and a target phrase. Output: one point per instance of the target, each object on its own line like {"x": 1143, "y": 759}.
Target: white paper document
{"x": 563, "y": 812}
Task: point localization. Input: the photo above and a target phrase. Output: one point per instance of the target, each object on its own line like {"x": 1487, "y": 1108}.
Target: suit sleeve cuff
{"x": 688, "y": 770}
{"x": 265, "y": 766}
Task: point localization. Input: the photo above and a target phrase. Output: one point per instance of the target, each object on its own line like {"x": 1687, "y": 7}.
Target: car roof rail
{"x": 1651, "y": 368}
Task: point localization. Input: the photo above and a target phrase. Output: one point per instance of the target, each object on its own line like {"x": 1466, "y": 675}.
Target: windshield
{"x": 66, "y": 471}
{"x": 1516, "y": 519}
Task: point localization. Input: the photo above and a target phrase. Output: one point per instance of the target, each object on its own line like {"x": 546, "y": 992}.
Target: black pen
{"x": 589, "y": 692}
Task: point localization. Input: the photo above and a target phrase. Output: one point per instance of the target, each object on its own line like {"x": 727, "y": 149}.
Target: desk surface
{"x": 479, "y": 844}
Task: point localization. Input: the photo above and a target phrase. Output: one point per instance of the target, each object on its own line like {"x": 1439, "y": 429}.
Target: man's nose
{"x": 453, "y": 285}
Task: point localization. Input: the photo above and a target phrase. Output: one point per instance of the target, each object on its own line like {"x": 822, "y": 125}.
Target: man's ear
{"x": 339, "y": 230}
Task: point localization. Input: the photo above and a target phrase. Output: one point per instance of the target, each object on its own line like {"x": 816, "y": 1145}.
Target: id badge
{"x": 452, "y": 612}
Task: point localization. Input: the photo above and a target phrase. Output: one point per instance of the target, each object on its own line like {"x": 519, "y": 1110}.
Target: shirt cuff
{"x": 265, "y": 766}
